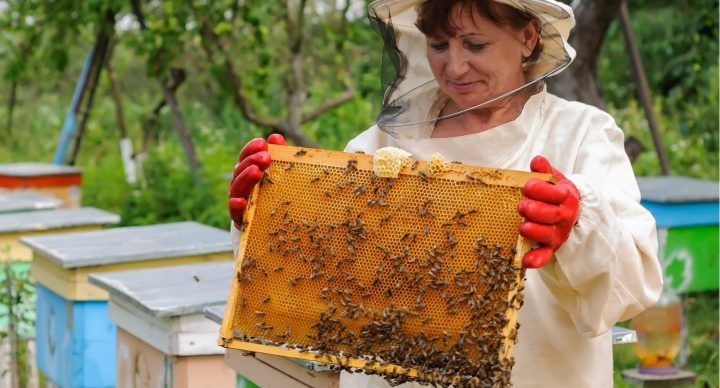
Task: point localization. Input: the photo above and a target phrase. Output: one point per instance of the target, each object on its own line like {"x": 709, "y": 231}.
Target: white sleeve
{"x": 607, "y": 270}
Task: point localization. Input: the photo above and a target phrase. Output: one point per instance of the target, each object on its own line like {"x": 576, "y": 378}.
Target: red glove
{"x": 253, "y": 160}
{"x": 550, "y": 211}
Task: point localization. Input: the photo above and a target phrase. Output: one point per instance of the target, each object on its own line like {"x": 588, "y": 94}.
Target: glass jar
{"x": 659, "y": 335}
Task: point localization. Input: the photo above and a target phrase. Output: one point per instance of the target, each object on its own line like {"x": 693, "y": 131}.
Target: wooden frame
{"x": 481, "y": 177}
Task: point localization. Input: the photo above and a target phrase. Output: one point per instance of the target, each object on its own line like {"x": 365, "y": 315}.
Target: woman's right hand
{"x": 254, "y": 159}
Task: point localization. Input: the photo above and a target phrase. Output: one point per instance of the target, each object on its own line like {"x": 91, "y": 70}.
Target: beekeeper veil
{"x": 412, "y": 98}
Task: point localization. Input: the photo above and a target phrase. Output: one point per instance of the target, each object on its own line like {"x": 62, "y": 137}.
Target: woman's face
{"x": 482, "y": 61}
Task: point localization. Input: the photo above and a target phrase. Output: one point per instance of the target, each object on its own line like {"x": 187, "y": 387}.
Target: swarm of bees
{"x": 415, "y": 276}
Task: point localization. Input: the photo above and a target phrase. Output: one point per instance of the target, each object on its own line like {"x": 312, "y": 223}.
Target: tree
{"x": 579, "y": 81}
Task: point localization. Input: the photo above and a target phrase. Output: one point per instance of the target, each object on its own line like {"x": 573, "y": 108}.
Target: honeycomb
{"x": 388, "y": 161}
{"x": 438, "y": 165}
{"x": 413, "y": 278}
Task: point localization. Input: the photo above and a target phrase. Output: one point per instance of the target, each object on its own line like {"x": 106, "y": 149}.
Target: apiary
{"x": 265, "y": 370}
{"x": 75, "y": 338}
{"x": 163, "y": 339}
{"x": 415, "y": 278}
{"x": 62, "y": 182}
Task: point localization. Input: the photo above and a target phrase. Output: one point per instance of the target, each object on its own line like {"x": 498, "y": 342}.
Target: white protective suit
{"x": 607, "y": 270}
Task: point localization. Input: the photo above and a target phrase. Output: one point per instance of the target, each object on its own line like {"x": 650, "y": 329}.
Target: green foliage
{"x": 17, "y": 293}
{"x": 688, "y": 155}
{"x": 680, "y": 58}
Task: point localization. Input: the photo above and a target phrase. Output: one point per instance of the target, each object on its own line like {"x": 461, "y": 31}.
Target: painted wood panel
{"x": 141, "y": 365}
{"x": 73, "y": 283}
{"x": 75, "y": 341}
{"x": 62, "y": 182}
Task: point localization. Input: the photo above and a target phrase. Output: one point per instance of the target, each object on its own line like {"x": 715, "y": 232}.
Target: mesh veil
{"x": 412, "y": 98}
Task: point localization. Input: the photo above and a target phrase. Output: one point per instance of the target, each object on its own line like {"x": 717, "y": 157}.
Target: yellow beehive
{"x": 415, "y": 278}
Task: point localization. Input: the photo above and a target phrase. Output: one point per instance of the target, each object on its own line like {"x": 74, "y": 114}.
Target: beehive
{"x": 414, "y": 278}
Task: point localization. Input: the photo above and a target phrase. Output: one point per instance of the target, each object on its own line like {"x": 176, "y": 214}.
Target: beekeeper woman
{"x": 469, "y": 83}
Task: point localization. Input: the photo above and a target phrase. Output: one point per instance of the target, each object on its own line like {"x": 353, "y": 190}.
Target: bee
{"x": 197, "y": 278}
{"x": 315, "y": 179}
{"x": 272, "y": 212}
{"x": 266, "y": 178}
{"x": 285, "y": 202}
{"x": 351, "y": 166}
{"x": 328, "y": 194}
{"x": 266, "y": 299}
{"x": 386, "y": 218}
{"x": 301, "y": 152}
{"x": 295, "y": 280}
{"x": 278, "y": 269}
{"x": 414, "y": 165}
{"x": 264, "y": 271}
{"x": 326, "y": 171}
{"x": 259, "y": 313}
{"x": 423, "y": 176}
{"x": 288, "y": 166}
{"x": 359, "y": 190}
{"x": 472, "y": 211}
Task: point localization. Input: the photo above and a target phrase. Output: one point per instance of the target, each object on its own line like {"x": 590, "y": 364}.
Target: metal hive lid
{"x": 170, "y": 291}
{"x": 29, "y": 169}
{"x": 677, "y": 189}
{"x": 55, "y": 219}
{"x": 215, "y": 313}
{"x": 24, "y": 200}
{"x": 129, "y": 244}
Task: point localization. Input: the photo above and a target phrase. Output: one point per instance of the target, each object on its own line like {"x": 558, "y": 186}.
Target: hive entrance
{"x": 415, "y": 277}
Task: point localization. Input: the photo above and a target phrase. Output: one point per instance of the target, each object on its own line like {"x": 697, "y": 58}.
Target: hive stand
{"x": 163, "y": 339}
{"x": 62, "y": 182}
{"x": 26, "y": 200}
{"x": 270, "y": 371}
{"x": 75, "y": 337}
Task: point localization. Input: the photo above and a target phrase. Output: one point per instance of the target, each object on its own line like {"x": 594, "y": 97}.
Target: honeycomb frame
{"x": 338, "y": 266}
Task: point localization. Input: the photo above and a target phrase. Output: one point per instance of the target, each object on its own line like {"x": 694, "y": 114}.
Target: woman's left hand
{"x": 550, "y": 211}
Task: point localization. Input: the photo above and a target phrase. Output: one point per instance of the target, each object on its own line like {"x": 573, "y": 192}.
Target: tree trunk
{"x": 296, "y": 76}
{"x": 579, "y": 82}
{"x": 11, "y": 107}
{"x": 116, "y": 96}
{"x": 182, "y": 129}
{"x": 169, "y": 94}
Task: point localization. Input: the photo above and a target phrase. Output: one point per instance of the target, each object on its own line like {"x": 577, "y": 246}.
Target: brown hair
{"x": 434, "y": 18}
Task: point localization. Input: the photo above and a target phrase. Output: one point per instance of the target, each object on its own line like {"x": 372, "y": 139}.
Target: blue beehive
{"x": 75, "y": 337}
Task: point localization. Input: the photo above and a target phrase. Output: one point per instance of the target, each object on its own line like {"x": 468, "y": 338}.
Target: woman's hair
{"x": 435, "y": 18}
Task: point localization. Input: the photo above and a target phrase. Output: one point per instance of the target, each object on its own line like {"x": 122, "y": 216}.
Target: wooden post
{"x": 643, "y": 89}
